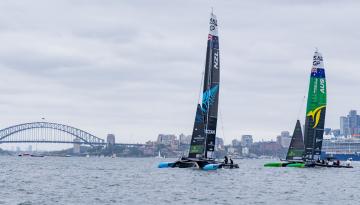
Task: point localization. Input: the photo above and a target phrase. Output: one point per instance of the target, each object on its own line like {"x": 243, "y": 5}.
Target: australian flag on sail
{"x": 318, "y": 72}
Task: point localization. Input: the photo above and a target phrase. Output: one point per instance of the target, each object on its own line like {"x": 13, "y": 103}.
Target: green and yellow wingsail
{"x": 315, "y": 111}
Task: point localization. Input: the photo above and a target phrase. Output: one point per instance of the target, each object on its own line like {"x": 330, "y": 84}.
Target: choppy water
{"x": 53, "y": 180}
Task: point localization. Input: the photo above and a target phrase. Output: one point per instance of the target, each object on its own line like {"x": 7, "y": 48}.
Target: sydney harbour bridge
{"x": 47, "y": 132}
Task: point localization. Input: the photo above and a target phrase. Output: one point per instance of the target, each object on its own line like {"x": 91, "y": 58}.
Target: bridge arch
{"x": 8, "y": 135}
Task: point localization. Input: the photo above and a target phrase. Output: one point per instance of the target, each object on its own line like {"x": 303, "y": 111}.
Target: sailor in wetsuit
{"x": 231, "y": 161}
{"x": 225, "y": 160}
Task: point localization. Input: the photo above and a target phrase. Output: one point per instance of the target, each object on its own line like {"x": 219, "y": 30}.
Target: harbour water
{"x": 74, "y": 180}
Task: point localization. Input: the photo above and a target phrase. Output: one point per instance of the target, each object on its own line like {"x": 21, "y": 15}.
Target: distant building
{"x": 245, "y": 151}
{"x": 327, "y": 131}
{"x": 278, "y": 139}
{"x": 350, "y": 125}
{"x": 236, "y": 143}
{"x": 231, "y": 150}
{"x": 336, "y": 132}
{"x": 76, "y": 148}
{"x": 219, "y": 143}
{"x": 344, "y": 126}
{"x": 166, "y": 139}
{"x": 184, "y": 139}
{"x": 246, "y": 140}
{"x": 270, "y": 148}
{"x": 110, "y": 139}
{"x": 285, "y": 139}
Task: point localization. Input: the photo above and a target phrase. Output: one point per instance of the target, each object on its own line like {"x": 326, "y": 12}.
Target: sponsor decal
{"x": 210, "y": 131}
{"x": 213, "y": 24}
{"x": 216, "y": 60}
{"x": 318, "y": 140}
{"x": 317, "y": 60}
{"x": 315, "y": 115}
{"x": 322, "y": 86}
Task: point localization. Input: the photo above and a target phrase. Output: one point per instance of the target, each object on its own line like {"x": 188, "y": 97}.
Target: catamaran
{"x": 294, "y": 156}
{"x": 202, "y": 147}
{"x": 310, "y": 155}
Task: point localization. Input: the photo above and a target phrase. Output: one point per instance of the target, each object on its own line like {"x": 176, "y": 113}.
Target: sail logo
{"x": 213, "y": 24}
{"x": 216, "y": 60}
{"x": 317, "y": 60}
{"x": 322, "y": 86}
{"x": 315, "y": 115}
{"x": 209, "y": 98}
{"x": 210, "y": 132}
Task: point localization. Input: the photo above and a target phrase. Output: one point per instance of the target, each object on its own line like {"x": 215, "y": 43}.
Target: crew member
{"x": 231, "y": 161}
{"x": 225, "y": 160}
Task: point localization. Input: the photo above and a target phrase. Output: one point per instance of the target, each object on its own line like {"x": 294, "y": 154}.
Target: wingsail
{"x": 210, "y": 99}
{"x": 316, "y": 109}
{"x": 296, "y": 148}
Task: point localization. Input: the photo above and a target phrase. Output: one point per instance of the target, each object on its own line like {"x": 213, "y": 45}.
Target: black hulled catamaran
{"x": 202, "y": 145}
{"x": 314, "y": 125}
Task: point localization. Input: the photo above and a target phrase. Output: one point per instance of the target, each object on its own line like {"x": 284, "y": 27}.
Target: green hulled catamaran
{"x": 307, "y": 153}
{"x": 294, "y": 157}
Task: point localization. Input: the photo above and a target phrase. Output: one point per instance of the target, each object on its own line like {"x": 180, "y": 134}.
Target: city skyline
{"x": 134, "y": 68}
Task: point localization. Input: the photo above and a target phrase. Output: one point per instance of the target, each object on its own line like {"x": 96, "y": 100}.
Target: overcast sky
{"x": 133, "y": 68}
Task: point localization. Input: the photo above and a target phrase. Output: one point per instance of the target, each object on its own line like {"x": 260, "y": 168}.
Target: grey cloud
{"x": 134, "y": 68}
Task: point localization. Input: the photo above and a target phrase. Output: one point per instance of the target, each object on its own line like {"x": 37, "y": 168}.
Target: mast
{"x": 315, "y": 110}
{"x": 296, "y": 147}
{"x": 211, "y": 87}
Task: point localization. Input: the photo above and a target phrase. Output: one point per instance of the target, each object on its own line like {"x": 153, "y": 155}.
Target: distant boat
{"x": 24, "y": 155}
{"x": 87, "y": 156}
{"x": 37, "y": 155}
{"x": 202, "y": 145}
{"x": 113, "y": 155}
{"x": 68, "y": 155}
{"x": 159, "y": 156}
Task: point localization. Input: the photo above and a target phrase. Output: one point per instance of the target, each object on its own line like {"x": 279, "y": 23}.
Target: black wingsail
{"x": 296, "y": 148}
{"x": 210, "y": 98}
{"x": 197, "y": 144}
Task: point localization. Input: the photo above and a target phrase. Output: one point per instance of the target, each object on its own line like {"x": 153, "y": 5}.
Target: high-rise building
{"x": 285, "y": 139}
{"x": 110, "y": 139}
{"x": 350, "y": 125}
{"x": 344, "y": 126}
{"x": 246, "y": 140}
{"x": 353, "y": 122}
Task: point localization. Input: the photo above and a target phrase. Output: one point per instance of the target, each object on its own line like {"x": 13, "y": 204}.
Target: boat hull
{"x": 205, "y": 164}
{"x": 332, "y": 166}
{"x": 285, "y": 164}
{"x": 303, "y": 165}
